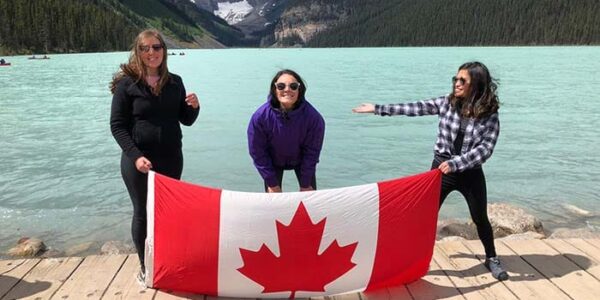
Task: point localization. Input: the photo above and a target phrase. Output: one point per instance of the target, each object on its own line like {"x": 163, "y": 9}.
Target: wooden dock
{"x": 539, "y": 269}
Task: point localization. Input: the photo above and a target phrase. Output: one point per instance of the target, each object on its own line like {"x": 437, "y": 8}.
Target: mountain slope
{"x": 55, "y": 26}
{"x": 222, "y": 32}
{"x": 255, "y": 18}
{"x": 182, "y": 23}
{"x": 465, "y": 23}
{"x": 303, "y": 19}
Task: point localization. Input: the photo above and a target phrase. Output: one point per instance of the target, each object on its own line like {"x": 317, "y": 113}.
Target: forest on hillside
{"x": 64, "y": 26}
{"x": 30, "y": 26}
{"x": 466, "y": 23}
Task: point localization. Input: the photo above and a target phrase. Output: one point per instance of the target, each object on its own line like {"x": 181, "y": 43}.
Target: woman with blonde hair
{"x": 149, "y": 104}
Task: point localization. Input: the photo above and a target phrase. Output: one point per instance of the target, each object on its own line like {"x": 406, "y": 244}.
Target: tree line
{"x": 466, "y": 23}
{"x": 30, "y": 26}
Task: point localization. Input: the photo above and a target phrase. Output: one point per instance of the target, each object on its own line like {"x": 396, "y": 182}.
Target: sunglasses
{"x": 462, "y": 80}
{"x": 146, "y": 49}
{"x": 293, "y": 86}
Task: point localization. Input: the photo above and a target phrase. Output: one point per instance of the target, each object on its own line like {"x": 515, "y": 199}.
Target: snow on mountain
{"x": 233, "y": 12}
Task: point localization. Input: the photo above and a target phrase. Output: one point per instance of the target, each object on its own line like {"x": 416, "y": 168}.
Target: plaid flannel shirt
{"x": 479, "y": 139}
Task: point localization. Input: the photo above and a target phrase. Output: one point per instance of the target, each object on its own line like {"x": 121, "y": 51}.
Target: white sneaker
{"x": 140, "y": 277}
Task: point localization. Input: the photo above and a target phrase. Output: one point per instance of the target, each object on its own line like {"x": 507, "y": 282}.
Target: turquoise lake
{"x": 60, "y": 178}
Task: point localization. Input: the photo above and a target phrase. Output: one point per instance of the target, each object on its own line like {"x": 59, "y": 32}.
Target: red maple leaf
{"x": 299, "y": 267}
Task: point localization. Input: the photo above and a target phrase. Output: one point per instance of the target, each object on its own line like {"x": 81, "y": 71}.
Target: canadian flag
{"x": 224, "y": 243}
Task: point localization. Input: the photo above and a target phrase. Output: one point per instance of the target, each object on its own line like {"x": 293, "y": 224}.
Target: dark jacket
{"x": 143, "y": 123}
{"x": 286, "y": 140}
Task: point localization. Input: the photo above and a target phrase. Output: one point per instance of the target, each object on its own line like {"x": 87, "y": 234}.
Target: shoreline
{"x": 527, "y": 227}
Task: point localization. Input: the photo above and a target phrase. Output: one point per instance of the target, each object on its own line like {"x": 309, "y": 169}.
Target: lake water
{"x": 60, "y": 177}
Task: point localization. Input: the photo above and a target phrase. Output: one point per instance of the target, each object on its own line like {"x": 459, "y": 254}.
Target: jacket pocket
{"x": 146, "y": 135}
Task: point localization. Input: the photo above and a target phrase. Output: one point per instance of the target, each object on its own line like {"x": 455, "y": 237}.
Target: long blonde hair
{"x": 136, "y": 69}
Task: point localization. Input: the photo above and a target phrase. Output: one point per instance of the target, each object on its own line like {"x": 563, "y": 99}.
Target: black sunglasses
{"x": 146, "y": 49}
{"x": 462, "y": 80}
{"x": 293, "y": 86}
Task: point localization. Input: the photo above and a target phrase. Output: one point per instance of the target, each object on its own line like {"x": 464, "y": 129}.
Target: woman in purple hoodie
{"x": 286, "y": 133}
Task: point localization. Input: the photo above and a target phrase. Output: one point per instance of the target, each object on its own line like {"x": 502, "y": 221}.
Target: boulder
{"x": 116, "y": 247}
{"x": 581, "y": 233}
{"x": 507, "y": 219}
{"x": 81, "y": 249}
{"x": 452, "y": 239}
{"x": 27, "y": 247}
{"x": 457, "y": 228}
{"x": 52, "y": 253}
{"x": 529, "y": 235}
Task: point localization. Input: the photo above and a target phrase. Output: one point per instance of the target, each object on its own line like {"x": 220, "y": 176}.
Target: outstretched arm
{"x": 411, "y": 109}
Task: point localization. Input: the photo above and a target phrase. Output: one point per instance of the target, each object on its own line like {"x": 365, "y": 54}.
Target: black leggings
{"x": 471, "y": 184}
{"x": 279, "y": 174}
{"x": 137, "y": 186}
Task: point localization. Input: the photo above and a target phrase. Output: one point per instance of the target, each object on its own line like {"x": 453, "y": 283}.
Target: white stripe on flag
{"x": 149, "y": 243}
{"x": 248, "y": 221}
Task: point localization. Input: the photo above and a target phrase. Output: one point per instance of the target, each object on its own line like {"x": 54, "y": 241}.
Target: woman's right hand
{"x": 364, "y": 108}
{"x": 274, "y": 189}
{"x": 143, "y": 165}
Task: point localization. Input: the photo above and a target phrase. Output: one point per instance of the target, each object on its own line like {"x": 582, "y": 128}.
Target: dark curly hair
{"x": 483, "y": 100}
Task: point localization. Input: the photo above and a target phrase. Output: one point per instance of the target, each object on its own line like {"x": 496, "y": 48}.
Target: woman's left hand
{"x": 445, "y": 167}
{"x": 192, "y": 100}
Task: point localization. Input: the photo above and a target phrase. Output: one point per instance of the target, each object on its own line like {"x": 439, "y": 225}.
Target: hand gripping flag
{"x": 223, "y": 243}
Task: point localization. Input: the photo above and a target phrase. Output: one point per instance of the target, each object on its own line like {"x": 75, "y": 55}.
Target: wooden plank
{"x": 525, "y": 281}
{"x": 91, "y": 278}
{"x": 170, "y": 295}
{"x": 349, "y": 296}
{"x": 565, "y": 274}
{"x": 43, "y": 280}
{"x": 457, "y": 277}
{"x": 224, "y": 298}
{"x": 591, "y": 251}
{"x": 434, "y": 285}
{"x": 399, "y": 292}
{"x": 125, "y": 285}
{"x": 13, "y": 273}
{"x": 570, "y": 248}
{"x": 380, "y": 294}
{"x": 594, "y": 242}
{"x": 470, "y": 268}
{"x": 8, "y": 265}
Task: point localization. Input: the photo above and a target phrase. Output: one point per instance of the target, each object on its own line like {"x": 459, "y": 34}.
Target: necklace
{"x": 152, "y": 80}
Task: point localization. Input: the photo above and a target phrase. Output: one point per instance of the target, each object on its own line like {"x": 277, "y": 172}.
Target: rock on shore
{"x": 508, "y": 222}
{"x": 507, "y": 219}
{"x": 27, "y": 247}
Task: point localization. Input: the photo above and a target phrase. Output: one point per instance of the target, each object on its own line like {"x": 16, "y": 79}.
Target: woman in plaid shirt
{"x": 467, "y": 133}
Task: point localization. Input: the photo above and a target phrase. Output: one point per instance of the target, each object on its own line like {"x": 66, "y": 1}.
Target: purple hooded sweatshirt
{"x": 286, "y": 140}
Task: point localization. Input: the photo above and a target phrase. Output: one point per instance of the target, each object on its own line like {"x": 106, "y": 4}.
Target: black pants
{"x": 471, "y": 184}
{"x": 137, "y": 185}
{"x": 279, "y": 174}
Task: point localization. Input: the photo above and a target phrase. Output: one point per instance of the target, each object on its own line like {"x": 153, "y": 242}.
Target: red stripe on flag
{"x": 186, "y": 236}
{"x": 408, "y": 210}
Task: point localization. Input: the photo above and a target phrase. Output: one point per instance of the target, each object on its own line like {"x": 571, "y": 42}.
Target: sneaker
{"x": 140, "y": 277}
{"x": 493, "y": 264}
